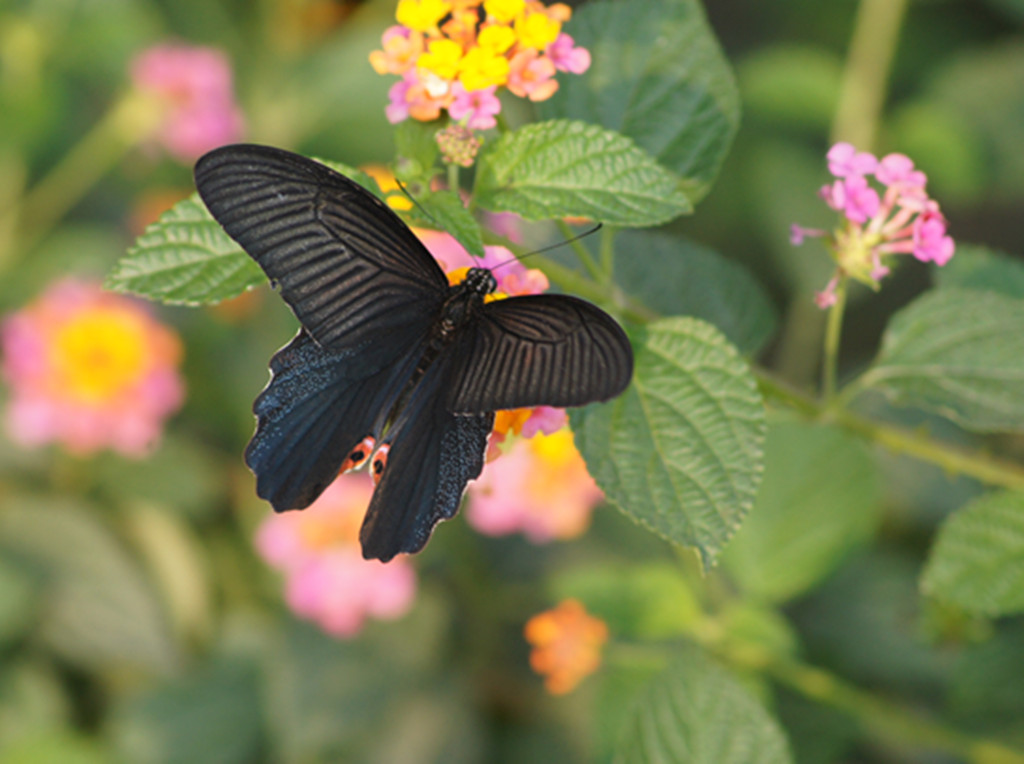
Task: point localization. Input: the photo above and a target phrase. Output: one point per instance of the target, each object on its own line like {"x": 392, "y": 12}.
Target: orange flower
{"x": 567, "y": 644}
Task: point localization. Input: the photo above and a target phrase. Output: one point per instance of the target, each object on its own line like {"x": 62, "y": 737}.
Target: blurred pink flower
{"x": 540, "y": 487}
{"x": 326, "y": 578}
{"x": 567, "y": 57}
{"x": 902, "y": 220}
{"x": 194, "y": 84}
{"x": 90, "y": 370}
{"x": 478, "y": 107}
{"x": 532, "y": 76}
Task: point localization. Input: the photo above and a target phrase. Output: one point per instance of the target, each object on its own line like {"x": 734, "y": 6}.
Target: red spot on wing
{"x": 380, "y": 460}
{"x": 358, "y": 456}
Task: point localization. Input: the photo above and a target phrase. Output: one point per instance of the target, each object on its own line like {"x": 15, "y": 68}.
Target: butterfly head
{"x": 480, "y": 281}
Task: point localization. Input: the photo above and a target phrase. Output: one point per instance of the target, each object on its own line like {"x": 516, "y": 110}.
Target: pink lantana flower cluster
{"x": 902, "y": 219}
{"x": 454, "y": 55}
{"x": 90, "y": 370}
{"x": 539, "y": 487}
{"x": 327, "y": 580}
{"x": 194, "y": 87}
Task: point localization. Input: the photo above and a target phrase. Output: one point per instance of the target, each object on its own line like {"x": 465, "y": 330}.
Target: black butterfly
{"x": 388, "y": 348}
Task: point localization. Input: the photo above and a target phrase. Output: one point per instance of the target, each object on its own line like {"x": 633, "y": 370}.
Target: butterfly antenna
{"x": 597, "y": 227}
{"x": 419, "y": 206}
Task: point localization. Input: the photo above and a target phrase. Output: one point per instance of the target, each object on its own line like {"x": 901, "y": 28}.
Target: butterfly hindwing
{"x": 345, "y": 263}
{"x": 318, "y": 406}
{"x": 551, "y": 350}
{"x": 433, "y": 455}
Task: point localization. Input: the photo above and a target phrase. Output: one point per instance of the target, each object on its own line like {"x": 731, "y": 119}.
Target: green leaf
{"x": 680, "y": 451}
{"x": 185, "y": 258}
{"x": 562, "y": 169}
{"x": 675, "y": 276}
{"x": 659, "y": 77}
{"x": 646, "y": 600}
{"x": 99, "y": 610}
{"x": 213, "y": 716}
{"x": 977, "y": 562}
{"x": 791, "y": 85}
{"x": 697, "y": 712}
{"x": 416, "y": 148}
{"x": 959, "y": 353}
{"x": 446, "y": 210}
{"x": 981, "y": 268}
{"x": 821, "y": 497}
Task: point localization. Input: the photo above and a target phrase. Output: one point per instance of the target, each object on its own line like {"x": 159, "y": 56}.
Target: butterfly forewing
{"x": 551, "y": 350}
{"x": 348, "y": 267}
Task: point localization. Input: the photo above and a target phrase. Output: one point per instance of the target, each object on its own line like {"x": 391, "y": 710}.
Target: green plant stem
{"x": 862, "y": 92}
{"x": 957, "y": 461}
{"x": 878, "y": 717}
{"x": 453, "y": 177}
{"x": 861, "y": 97}
{"x": 833, "y": 334}
{"x": 130, "y": 120}
{"x": 582, "y": 252}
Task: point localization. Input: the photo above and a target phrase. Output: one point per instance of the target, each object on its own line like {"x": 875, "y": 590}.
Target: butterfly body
{"x": 390, "y": 356}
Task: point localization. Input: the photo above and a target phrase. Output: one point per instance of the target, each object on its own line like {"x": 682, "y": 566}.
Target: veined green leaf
{"x": 697, "y": 712}
{"x": 820, "y": 498}
{"x": 676, "y": 276}
{"x": 657, "y": 75}
{"x": 981, "y": 268}
{"x": 960, "y": 353}
{"x": 186, "y": 258}
{"x": 447, "y": 211}
{"x": 681, "y": 450}
{"x": 562, "y": 169}
{"x": 977, "y": 562}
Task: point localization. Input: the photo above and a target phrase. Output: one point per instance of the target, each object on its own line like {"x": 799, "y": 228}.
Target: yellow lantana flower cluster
{"x": 454, "y": 54}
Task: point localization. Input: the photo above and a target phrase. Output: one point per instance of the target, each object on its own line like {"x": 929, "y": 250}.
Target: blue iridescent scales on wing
{"x": 389, "y": 353}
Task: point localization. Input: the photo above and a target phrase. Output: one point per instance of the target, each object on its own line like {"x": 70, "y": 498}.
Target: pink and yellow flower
{"x": 193, "y": 85}
{"x": 902, "y": 219}
{"x": 539, "y": 487}
{"x": 567, "y": 643}
{"x": 90, "y": 370}
{"x": 327, "y": 581}
{"x": 441, "y": 46}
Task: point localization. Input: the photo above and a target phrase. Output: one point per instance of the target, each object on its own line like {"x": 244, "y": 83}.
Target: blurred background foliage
{"x": 137, "y": 623}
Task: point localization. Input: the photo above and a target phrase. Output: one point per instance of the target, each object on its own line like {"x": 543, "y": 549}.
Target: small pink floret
{"x": 899, "y": 169}
{"x": 478, "y": 107}
{"x": 567, "y": 57}
{"x": 844, "y": 160}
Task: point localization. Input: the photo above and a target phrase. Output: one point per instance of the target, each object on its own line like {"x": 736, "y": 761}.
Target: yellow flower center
{"x": 421, "y": 15}
{"x": 482, "y": 68}
{"x": 100, "y": 353}
{"x": 442, "y": 58}
{"x": 504, "y": 10}
{"x": 557, "y": 449}
{"x": 537, "y": 30}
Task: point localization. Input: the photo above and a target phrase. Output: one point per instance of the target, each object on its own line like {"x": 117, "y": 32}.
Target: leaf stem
{"x": 879, "y": 717}
{"x": 862, "y": 92}
{"x": 453, "y": 177}
{"x": 957, "y": 461}
{"x": 127, "y": 122}
{"x": 833, "y": 333}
